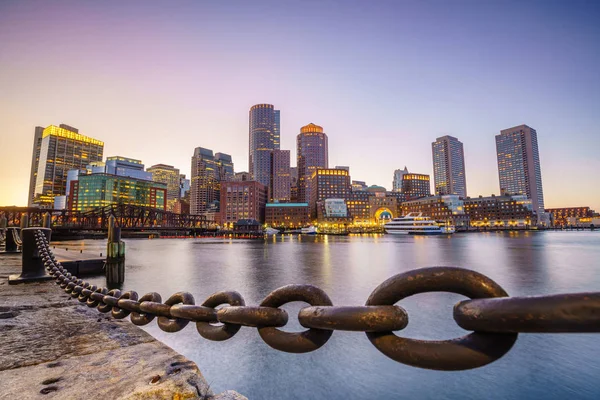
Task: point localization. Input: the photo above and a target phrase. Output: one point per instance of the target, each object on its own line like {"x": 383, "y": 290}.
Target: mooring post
{"x": 47, "y": 221}
{"x": 115, "y": 254}
{"x": 11, "y": 245}
{"x": 24, "y": 223}
{"x": 32, "y": 269}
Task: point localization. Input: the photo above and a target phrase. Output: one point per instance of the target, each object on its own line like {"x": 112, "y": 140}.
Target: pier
{"x": 56, "y": 346}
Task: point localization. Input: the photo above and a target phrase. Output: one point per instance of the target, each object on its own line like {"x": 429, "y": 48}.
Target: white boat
{"x": 416, "y": 224}
{"x": 311, "y": 230}
{"x": 271, "y": 231}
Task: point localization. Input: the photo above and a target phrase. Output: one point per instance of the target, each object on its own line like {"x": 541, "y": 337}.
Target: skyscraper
{"x": 208, "y": 171}
{"x": 449, "y": 166}
{"x": 415, "y": 186}
{"x": 398, "y": 175}
{"x": 35, "y": 158}
{"x": 264, "y": 135}
{"x": 312, "y": 153}
{"x": 281, "y": 177}
{"x": 519, "y": 164}
{"x": 61, "y": 148}
{"x": 168, "y": 175}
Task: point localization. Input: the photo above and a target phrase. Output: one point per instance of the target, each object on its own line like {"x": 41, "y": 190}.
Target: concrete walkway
{"x": 54, "y": 347}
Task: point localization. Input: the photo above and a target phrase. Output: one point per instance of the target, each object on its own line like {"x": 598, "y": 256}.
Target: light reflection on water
{"x": 348, "y": 269}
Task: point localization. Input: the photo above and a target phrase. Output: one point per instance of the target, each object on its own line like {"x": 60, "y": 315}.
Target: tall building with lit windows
{"x": 415, "y": 186}
{"x": 35, "y": 159}
{"x": 56, "y": 150}
{"x": 312, "y": 153}
{"x": 280, "y": 176}
{"x": 168, "y": 175}
{"x": 208, "y": 171}
{"x": 328, "y": 183}
{"x": 449, "y": 166}
{"x": 264, "y": 137}
{"x": 99, "y": 190}
{"x": 519, "y": 169}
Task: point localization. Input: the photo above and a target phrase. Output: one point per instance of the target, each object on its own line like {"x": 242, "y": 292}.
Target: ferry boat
{"x": 311, "y": 230}
{"x": 416, "y": 224}
{"x": 271, "y": 231}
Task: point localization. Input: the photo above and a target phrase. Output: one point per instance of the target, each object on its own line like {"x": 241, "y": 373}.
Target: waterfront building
{"x": 170, "y": 176}
{"x": 264, "y": 132}
{"x": 35, "y": 159}
{"x": 359, "y": 186}
{"x": 519, "y": 169}
{"x": 242, "y": 200}
{"x": 287, "y": 215}
{"x": 56, "y": 150}
{"x": 565, "y": 215}
{"x": 124, "y": 166}
{"x": 100, "y": 190}
{"x": 242, "y": 177}
{"x": 449, "y": 208}
{"x": 208, "y": 170}
{"x": 312, "y": 153}
{"x": 328, "y": 183}
{"x": 332, "y": 216}
{"x": 505, "y": 211}
{"x": 415, "y": 186}
{"x": 449, "y": 166}
{"x": 280, "y": 189}
{"x": 398, "y": 176}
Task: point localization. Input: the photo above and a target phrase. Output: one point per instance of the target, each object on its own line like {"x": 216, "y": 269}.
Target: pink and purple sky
{"x": 154, "y": 80}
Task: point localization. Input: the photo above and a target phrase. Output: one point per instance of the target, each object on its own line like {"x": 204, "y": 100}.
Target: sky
{"x": 154, "y": 80}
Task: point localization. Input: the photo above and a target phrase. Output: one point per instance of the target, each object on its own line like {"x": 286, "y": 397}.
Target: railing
{"x": 495, "y": 319}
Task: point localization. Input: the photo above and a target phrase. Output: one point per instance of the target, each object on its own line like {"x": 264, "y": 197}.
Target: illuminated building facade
{"x": 564, "y": 216}
{"x": 264, "y": 137}
{"x": 441, "y": 208}
{"x": 397, "y": 182}
{"x": 208, "y": 171}
{"x": 242, "y": 200}
{"x": 328, "y": 183}
{"x": 124, "y": 166}
{"x": 61, "y": 148}
{"x": 100, "y": 190}
{"x": 35, "y": 159}
{"x": 359, "y": 186}
{"x": 519, "y": 164}
{"x": 415, "y": 186}
{"x": 311, "y": 153}
{"x": 506, "y": 211}
{"x": 281, "y": 177}
{"x": 287, "y": 215}
{"x": 449, "y": 166}
{"x": 170, "y": 176}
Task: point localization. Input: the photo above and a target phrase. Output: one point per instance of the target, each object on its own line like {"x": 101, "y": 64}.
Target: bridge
{"x": 128, "y": 217}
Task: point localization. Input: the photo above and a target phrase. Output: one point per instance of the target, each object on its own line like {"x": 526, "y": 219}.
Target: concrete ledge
{"x": 53, "y": 346}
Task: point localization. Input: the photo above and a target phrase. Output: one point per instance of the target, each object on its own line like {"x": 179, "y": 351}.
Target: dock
{"x": 80, "y": 262}
{"x": 55, "y": 347}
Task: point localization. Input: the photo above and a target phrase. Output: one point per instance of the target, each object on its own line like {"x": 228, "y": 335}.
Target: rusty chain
{"x": 495, "y": 319}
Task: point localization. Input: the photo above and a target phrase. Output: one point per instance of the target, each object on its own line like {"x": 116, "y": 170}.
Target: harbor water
{"x": 348, "y": 268}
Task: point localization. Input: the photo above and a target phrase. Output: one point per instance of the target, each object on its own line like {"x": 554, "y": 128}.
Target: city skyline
{"x": 373, "y": 128}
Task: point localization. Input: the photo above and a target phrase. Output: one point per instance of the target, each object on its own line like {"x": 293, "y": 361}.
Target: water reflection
{"x": 348, "y": 269}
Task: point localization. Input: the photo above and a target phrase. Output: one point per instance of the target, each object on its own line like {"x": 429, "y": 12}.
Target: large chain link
{"x": 494, "y": 318}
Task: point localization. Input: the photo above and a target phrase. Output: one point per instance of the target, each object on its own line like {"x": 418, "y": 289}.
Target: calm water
{"x": 555, "y": 366}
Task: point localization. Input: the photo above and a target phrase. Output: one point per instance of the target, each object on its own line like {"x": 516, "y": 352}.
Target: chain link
{"x": 494, "y": 318}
